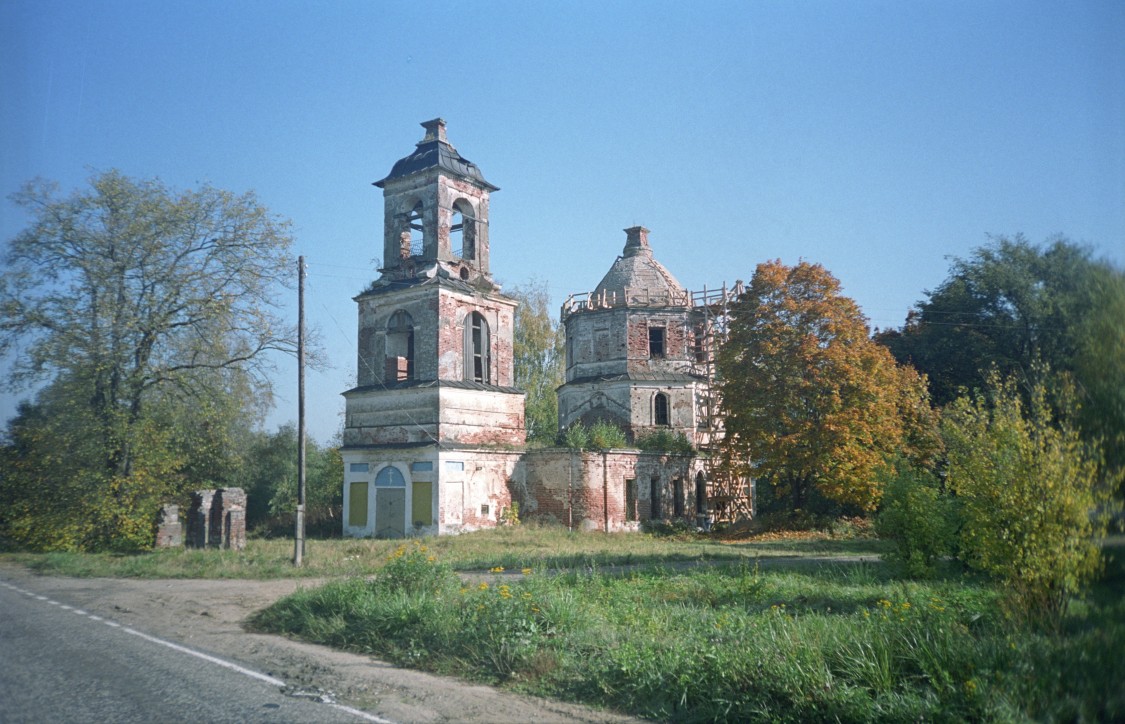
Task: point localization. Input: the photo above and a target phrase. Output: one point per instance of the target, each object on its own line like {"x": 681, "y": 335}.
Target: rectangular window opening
{"x": 655, "y": 341}
{"x": 631, "y": 499}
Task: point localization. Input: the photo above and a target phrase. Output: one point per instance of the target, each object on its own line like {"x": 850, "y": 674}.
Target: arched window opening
{"x": 700, "y": 493}
{"x": 400, "y": 347}
{"x": 414, "y": 225}
{"x": 390, "y": 477}
{"x": 660, "y": 410}
{"x": 463, "y": 231}
{"x": 654, "y": 512}
{"x": 478, "y": 361}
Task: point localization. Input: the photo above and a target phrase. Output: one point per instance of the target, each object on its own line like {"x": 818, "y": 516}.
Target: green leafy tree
{"x": 1011, "y": 304}
{"x": 919, "y": 518}
{"x": 538, "y": 355}
{"x": 146, "y": 310}
{"x": 1028, "y": 488}
{"x": 268, "y": 474}
{"x": 809, "y": 400}
{"x": 324, "y": 471}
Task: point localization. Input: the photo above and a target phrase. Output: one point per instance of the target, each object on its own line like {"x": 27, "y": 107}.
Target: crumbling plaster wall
{"x": 616, "y": 340}
{"x": 588, "y": 490}
{"x": 439, "y": 329}
{"x": 498, "y": 311}
{"x": 480, "y": 417}
{"x": 383, "y": 417}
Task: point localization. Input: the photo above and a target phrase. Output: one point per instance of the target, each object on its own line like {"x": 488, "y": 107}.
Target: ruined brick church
{"x": 434, "y": 430}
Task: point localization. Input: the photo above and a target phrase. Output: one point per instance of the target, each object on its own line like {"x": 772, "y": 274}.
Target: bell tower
{"x": 435, "y": 217}
{"x": 434, "y": 399}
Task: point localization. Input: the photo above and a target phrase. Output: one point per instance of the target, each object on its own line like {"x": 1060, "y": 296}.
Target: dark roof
{"x": 639, "y": 377}
{"x": 434, "y": 151}
{"x": 384, "y": 285}
{"x": 458, "y": 384}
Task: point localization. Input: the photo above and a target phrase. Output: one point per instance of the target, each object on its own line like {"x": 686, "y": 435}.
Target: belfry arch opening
{"x": 415, "y": 226}
{"x": 463, "y": 230}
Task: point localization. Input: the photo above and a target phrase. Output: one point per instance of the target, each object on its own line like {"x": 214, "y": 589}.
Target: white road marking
{"x": 199, "y": 654}
{"x": 207, "y": 657}
{"x": 360, "y": 714}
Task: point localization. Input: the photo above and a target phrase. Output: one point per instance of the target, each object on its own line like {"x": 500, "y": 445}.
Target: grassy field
{"x": 734, "y": 641}
{"x": 514, "y": 548}
{"x": 779, "y": 629}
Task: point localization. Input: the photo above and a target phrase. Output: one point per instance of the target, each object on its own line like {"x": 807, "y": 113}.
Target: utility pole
{"x": 299, "y": 543}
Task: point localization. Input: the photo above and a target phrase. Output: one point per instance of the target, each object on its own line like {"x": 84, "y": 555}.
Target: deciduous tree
{"x": 538, "y": 354}
{"x": 138, "y": 303}
{"x": 809, "y": 400}
{"x": 1011, "y": 304}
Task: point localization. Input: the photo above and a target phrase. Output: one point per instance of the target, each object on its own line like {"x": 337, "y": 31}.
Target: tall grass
{"x": 733, "y": 642}
{"x": 535, "y": 546}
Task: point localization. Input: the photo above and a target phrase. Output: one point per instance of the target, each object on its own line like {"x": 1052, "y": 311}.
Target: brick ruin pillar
{"x": 169, "y": 529}
{"x": 199, "y": 518}
{"x": 218, "y": 519}
{"x": 234, "y": 519}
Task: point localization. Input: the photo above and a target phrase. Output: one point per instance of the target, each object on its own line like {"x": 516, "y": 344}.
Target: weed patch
{"x": 729, "y": 642}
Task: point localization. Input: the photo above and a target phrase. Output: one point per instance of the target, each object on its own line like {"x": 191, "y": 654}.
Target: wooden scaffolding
{"x": 730, "y": 492}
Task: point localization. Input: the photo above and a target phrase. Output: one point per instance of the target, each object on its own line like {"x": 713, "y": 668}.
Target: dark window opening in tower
{"x": 477, "y": 357}
{"x": 660, "y": 410}
{"x": 655, "y": 342}
{"x": 400, "y": 347}
{"x": 463, "y": 231}
{"x": 700, "y": 493}
{"x": 414, "y": 226}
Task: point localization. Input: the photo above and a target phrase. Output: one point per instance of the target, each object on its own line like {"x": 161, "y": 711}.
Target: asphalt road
{"x": 61, "y": 664}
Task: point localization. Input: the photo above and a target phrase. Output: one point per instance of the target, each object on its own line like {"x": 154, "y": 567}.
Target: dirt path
{"x": 208, "y": 615}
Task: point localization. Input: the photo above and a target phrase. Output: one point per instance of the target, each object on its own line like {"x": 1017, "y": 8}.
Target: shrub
{"x": 605, "y": 436}
{"x": 602, "y": 435}
{"x": 919, "y": 519}
{"x": 665, "y": 441}
{"x": 1028, "y": 486}
{"x": 413, "y": 568}
{"x": 577, "y": 437}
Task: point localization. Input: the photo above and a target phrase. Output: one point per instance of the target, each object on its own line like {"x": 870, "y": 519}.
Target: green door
{"x": 390, "y": 512}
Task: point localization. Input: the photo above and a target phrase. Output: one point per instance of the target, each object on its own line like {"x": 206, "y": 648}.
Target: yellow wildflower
{"x": 483, "y": 585}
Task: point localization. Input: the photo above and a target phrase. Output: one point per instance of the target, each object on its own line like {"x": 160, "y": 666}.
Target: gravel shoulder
{"x": 208, "y": 615}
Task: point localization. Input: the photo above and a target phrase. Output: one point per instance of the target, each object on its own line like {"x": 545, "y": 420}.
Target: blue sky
{"x": 876, "y": 138}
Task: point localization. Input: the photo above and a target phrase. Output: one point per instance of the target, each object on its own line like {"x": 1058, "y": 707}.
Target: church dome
{"x": 637, "y": 278}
